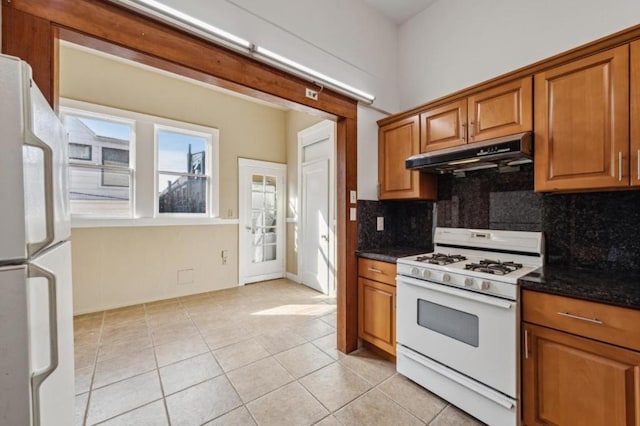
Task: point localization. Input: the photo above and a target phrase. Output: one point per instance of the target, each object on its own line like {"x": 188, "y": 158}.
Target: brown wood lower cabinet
{"x": 571, "y": 380}
{"x": 377, "y": 314}
{"x": 377, "y": 305}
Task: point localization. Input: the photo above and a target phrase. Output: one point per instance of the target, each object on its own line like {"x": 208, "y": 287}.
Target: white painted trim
{"x": 293, "y": 277}
{"x": 292, "y": 220}
{"x": 141, "y": 301}
{"x": 330, "y": 128}
{"x": 265, "y": 277}
{"x": 147, "y": 221}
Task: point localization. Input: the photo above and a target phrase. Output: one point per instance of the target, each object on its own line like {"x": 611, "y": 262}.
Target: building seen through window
{"x": 182, "y": 172}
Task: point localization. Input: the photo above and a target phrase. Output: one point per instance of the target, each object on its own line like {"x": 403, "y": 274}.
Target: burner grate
{"x": 441, "y": 259}
{"x": 495, "y": 267}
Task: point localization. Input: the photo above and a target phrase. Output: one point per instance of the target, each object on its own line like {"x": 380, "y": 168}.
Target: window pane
{"x": 86, "y": 133}
{"x": 99, "y": 141}
{"x": 88, "y": 196}
{"x": 181, "y": 153}
{"x": 114, "y": 157}
{"x": 79, "y": 151}
{"x": 182, "y": 194}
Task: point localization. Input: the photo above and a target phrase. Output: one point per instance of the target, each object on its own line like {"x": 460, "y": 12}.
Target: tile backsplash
{"x": 406, "y": 224}
{"x": 599, "y": 230}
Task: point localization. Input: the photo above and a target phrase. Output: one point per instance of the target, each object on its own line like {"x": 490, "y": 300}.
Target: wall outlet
{"x": 380, "y": 223}
{"x": 311, "y": 94}
{"x": 185, "y": 276}
{"x": 353, "y": 198}
{"x": 352, "y": 214}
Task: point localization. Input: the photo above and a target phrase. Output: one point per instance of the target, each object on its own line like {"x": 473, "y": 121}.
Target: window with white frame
{"x": 100, "y": 163}
{"x": 183, "y": 171}
{"x": 177, "y": 175}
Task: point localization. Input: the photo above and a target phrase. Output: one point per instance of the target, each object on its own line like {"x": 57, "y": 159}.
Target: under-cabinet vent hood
{"x": 505, "y": 151}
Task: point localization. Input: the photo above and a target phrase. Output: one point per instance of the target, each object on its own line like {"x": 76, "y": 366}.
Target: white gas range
{"x": 458, "y": 318}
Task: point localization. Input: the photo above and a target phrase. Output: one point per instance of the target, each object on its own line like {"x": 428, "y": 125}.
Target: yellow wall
{"x": 121, "y": 266}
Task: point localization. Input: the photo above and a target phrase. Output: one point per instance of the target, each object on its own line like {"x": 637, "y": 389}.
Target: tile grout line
{"x": 155, "y": 357}
{"x": 93, "y": 372}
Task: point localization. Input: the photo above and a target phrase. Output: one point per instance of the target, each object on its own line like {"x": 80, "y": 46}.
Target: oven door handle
{"x": 491, "y": 395}
{"x": 464, "y": 294}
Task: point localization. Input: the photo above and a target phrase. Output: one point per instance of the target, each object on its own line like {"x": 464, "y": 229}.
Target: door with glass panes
{"x": 261, "y": 234}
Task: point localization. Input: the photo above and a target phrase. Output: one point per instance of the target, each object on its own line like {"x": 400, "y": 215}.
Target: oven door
{"x": 472, "y": 333}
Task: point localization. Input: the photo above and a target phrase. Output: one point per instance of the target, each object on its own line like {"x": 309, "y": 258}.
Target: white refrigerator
{"x": 36, "y": 318}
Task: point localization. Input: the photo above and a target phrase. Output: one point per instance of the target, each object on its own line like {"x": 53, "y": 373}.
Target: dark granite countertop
{"x": 613, "y": 288}
{"x": 391, "y": 254}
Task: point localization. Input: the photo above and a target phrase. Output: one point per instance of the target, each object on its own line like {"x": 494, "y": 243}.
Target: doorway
{"x": 261, "y": 211}
{"x": 316, "y": 177}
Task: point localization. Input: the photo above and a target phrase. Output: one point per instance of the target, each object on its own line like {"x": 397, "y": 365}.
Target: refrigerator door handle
{"x": 34, "y": 141}
{"x": 38, "y": 377}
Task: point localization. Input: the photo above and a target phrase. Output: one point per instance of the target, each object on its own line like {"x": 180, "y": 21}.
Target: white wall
{"x": 368, "y": 153}
{"x": 457, "y": 43}
{"x": 347, "y": 40}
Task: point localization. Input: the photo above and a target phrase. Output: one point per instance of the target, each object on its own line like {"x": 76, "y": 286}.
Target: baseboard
{"x": 293, "y": 277}
{"x": 142, "y": 301}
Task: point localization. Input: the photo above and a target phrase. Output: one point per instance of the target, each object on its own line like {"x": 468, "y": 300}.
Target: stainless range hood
{"x": 506, "y": 151}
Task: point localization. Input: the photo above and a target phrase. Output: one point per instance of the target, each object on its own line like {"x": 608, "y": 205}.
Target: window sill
{"x": 149, "y": 221}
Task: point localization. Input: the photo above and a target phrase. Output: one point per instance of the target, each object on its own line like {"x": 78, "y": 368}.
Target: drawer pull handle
{"x": 578, "y": 317}
{"x": 377, "y": 271}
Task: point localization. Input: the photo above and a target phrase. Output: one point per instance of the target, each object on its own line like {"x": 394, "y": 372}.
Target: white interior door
{"x": 261, "y": 234}
{"x": 316, "y": 257}
{"x": 315, "y": 224}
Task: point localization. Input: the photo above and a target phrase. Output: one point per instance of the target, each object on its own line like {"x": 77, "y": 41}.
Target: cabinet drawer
{"x": 377, "y": 270}
{"x": 612, "y": 324}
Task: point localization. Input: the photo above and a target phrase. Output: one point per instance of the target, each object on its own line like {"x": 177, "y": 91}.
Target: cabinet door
{"x": 501, "y": 111}
{"x": 444, "y": 126}
{"x": 569, "y": 380}
{"x": 396, "y": 142}
{"x": 582, "y": 123}
{"x": 635, "y": 114}
{"x": 377, "y": 314}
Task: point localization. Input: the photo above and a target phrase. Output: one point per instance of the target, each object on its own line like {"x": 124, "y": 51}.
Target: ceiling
{"x": 400, "y": 10}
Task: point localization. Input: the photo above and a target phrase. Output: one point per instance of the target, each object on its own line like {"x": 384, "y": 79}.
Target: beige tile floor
{"x": 261, "y": 354}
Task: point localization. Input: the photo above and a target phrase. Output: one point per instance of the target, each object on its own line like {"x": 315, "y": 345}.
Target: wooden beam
{"x": 29, "y": 38}
{"x": 138, "y": 33}
{"x": 347, "y": 268}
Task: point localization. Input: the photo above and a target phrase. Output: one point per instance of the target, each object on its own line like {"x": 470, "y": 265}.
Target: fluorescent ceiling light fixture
{"x": 165, "y": 12}
{"x": 308, "y": 72}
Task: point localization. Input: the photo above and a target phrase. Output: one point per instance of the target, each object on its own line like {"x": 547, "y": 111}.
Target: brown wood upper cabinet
{"x": 495, "y": 112}
{"x": 398, "y": 141}
{"x": 582, "y": 123}
{"x": 635, "y": 114}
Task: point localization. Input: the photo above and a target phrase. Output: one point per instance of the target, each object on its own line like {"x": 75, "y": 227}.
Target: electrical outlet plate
{"x": 353, "y": 197}
{"x": 311, "y": 94}
{"x": 352, "y": 214}
{"x": 380, "y": 223}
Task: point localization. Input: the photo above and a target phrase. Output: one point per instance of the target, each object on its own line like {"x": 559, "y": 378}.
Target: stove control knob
{"x": 468, "y": 282}
{"x": 415, "y": 271}
{"x": 484, "y": 285}
{"x": 446, "y": 278}
{"x": 426, "y": 273}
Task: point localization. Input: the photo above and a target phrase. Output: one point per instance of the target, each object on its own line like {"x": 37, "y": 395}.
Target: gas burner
{"x": 441, "y": 259}
{"x": 495, "y": 267}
